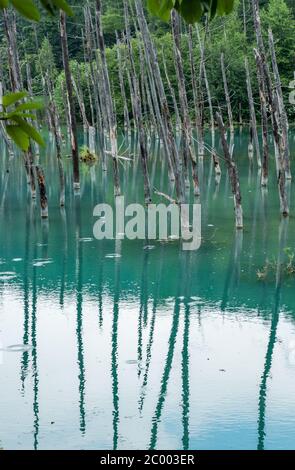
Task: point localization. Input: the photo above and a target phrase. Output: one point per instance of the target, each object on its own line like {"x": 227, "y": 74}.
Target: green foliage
{"x": 270, "y": 268}
{"x": 29, "y": 10}
{"x": 88, "y": 157}
{"x": 191, "y": 10}
{"x": 15, "y": 114}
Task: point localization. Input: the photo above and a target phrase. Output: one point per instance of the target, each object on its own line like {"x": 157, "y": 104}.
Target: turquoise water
{"x": 113, "y": 345}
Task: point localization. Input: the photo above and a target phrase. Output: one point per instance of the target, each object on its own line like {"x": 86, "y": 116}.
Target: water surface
{"x": 137, "y": 344}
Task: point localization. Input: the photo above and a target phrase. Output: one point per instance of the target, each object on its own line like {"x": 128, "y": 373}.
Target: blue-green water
{"x": 108, "y": 344}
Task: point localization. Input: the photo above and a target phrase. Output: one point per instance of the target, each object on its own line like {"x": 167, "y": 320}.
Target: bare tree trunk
{"x": 138, "y": 114}
{"x": 281, "y": 105}
{"x": 264, "y": 175}
{"x": 196, "y": 95}
{"x": 57, "y": 137}
{"x": 280, "y": 144}
{"x": 109, "y": 101}
{"x": 96, "y": 82}
{"x": 233, "y": 174}
{"x": 186, "y": 123}
{"x": 122, "y": 86}
{"x": 39, "y": 171}
{"x": 253, "y": 121}
{"x": 80, "y": 98}
{"x": 209, "y": 96}
{"x": 227, "y": 97}
{"x": 69, "y": 85}
{"x": 168, "y": 136}
{"x": 87, "y": 74}
{"x": 171, "y": 91}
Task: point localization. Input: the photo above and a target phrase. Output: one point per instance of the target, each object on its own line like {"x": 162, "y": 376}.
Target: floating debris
{"x": 113, "y": 255}
{"x": 18, "y": 348}
{"x": 7, "y": 276}
{"x": 39, "y": 263}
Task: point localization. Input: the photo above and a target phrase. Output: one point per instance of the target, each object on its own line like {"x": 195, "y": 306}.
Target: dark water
{"x": 112, "y": 345}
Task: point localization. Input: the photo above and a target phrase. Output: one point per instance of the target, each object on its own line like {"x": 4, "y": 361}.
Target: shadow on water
{"x": 283, "y": 230}
{"x": 79, "y": 328}
{"x": 114, "y": 369}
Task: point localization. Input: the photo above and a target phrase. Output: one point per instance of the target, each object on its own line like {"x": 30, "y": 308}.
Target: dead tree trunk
{"x": 227, "y": 96}
{"x": 69, "y": 85}
{"x": 166, "y": 122}
{"x": 171, "y": 92}
{"x": 273, "y": 109}
{"x": 96, "y": 82}
{"x": 196, "y": 94}
{"x": 55, "y": 125}
{"x": 281, "y": 105}
{"x": 208, "y": 91}
{"x": 280, "y": 145}
{"x": 80, "y": 98}
{"x": 122, "y": 86}
{"x": 109, "y": 101}
{"x": 138, "y": 113}
{"x": 186, "y": 123}
{"x": 264, "y": 175}
{"x": 233, "y": 174}
{"x": 39, "y": 171}
{"x": 253, "y": 121}
{"x": 159, "y": 101}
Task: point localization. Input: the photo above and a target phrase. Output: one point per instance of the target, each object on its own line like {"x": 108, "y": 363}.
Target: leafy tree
{"x": 13, "y": 110}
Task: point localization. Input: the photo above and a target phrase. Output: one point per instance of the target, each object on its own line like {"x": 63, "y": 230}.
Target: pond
{"x": 138, "y": 344}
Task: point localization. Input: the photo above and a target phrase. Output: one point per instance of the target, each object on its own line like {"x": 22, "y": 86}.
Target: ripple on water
{"x": 113, "y": 255}
{"x": 85, "y": 240}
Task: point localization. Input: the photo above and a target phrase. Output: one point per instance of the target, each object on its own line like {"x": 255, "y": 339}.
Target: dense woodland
{"x": 40, "y": 44}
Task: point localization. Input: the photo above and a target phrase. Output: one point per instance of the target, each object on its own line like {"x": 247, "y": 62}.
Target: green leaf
{"x": 13, "y": 114}
{"x": 3, "y": 4}
{"x": 19, "y": 137}
{"x": 225, "y": 7}
{"x": 29, "y": 130}
{"x": 11, "y": 98}
{"x": 213, "y": 9}
{"x": 30, "y": 105}
{"x": 63, "y": 5}
{"x": 190, "y": 11}
{"x": 27, "y": 8}
{"x": 52, "y": 5}
{"x": 161, "y": 8}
